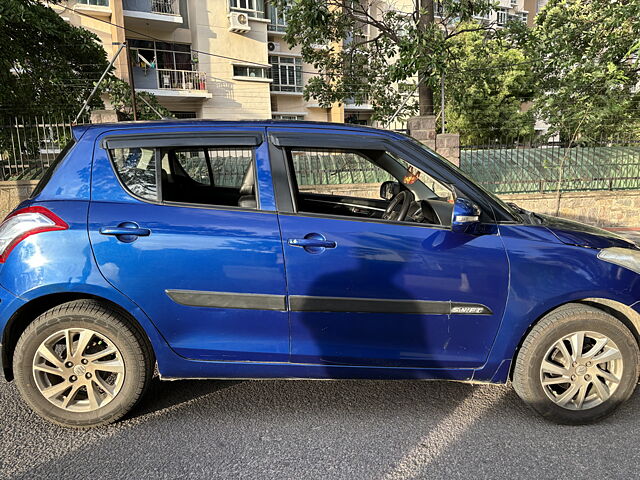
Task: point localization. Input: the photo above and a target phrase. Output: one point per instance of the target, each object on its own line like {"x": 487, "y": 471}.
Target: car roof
{"x": 79, "y": 130}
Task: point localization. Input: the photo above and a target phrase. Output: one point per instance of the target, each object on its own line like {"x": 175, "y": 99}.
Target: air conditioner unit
{"x": 273, "y": 46}
{"x": 239, "y": 22}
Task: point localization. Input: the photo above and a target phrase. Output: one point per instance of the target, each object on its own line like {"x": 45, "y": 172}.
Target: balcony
{"x": 350, "y": 105}
{"x": 162, "y": 14}
{"x": 164, "y": 82}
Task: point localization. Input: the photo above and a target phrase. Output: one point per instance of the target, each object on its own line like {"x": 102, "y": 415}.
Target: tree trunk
{"x": 425, "y": 92}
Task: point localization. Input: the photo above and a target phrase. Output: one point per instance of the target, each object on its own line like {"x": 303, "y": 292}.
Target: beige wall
{"x": 602, "y": 208}
{"x": 12, "y": 193}
{"x": 233, "y": 99}
{"x": 605, "y": 209}
{"x": 79, "y": 15}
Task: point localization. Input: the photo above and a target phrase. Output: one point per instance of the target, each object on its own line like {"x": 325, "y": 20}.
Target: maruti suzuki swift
{"x": 300, "y": 250}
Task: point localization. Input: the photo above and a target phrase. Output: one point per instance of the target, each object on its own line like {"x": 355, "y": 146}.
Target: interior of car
{"x": 207, "y": 176}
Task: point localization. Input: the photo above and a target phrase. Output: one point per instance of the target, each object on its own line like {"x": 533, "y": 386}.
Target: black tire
{"x": 553, "y": 327}
{"x": 135, "y": 351}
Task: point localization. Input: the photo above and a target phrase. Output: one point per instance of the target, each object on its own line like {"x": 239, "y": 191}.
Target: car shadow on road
{"x": 163, "y": 395}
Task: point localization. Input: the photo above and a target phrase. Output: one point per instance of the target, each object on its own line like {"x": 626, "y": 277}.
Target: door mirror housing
{"x": 389, "y": 189}
{"x": 465, "y": 214}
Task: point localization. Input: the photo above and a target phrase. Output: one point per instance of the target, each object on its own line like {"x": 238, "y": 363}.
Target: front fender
{"x": 544, "y": 276}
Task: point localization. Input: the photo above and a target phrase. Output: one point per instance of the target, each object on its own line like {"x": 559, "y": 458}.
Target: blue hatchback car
{"x": 300, "y": 250}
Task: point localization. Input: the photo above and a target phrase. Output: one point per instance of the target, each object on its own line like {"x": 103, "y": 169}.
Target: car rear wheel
{"x": 81, "y": 364}
{"x": 577, "y": 365}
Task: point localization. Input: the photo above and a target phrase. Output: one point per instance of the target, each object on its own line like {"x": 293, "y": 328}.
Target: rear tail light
{"x": 24, "y": 223}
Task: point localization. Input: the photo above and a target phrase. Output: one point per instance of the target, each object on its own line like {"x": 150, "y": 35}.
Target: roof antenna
{"x": 104, "y": 74}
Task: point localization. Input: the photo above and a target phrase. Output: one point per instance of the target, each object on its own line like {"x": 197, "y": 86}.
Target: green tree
{"x": 119, "y": 95}
{"x": 46, "y": 65}
{"x": 486, "y": 84}
{"x": 586, "y": 67}
{"x": 376, "y": 55}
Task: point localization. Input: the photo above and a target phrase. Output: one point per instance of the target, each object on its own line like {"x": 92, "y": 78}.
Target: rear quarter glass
{"x": 51, "y": 169}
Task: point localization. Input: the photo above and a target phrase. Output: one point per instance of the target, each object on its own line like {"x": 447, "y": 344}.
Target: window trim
{"x": 354, "y": 139}
{"x": 187, "y": 139}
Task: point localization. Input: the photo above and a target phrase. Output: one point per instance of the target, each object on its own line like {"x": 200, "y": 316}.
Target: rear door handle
{"x": 126, "y": 231}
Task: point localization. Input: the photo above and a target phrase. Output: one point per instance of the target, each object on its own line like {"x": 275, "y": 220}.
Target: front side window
{"x": 364, "y": 183}
{"x": 200, "y": 175}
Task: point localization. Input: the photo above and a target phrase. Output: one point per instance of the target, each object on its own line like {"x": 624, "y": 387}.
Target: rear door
{"x": 184, "y": 225}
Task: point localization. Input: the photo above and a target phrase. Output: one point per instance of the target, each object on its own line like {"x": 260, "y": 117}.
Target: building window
{"x": 438, "y": 9}
{"x": 98, "y": 3}
{"x": 277, "y": 19}
{"x": 284, "y": 116}
{"x": 502, "y": 16}
{"x": 250, "y": 72}
{"x": 253, "y": 8}
{"x": 286, "y": 73}
{"x": 161, "y": 55}
{"x": 184, "y": 114}
{"x": 524, "y": 16}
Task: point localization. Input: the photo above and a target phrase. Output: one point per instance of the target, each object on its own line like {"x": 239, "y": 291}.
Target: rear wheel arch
{"x": 26, "y": 314}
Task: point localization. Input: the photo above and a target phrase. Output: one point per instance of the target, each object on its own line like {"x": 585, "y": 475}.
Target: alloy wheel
{"x": 78, "y": 369}
{"x": 581, "y": 370}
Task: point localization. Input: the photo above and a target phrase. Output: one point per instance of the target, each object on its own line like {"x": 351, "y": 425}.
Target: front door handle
{"x": 126, "y": 232}
{"x": 312, "y": 243}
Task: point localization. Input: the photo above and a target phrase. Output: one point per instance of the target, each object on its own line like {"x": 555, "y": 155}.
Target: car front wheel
{"x": 577, "y": 365}
{"x": 81, "y": 364}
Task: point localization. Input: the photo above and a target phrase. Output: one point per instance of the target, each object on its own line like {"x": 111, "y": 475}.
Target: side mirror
{"x": 389, "y": 189}
{"x": 465, "y": 214}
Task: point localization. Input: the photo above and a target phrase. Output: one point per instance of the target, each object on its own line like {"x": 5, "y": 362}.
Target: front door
{"x": 187, "y": 231}
{"x": 367, "y": 288}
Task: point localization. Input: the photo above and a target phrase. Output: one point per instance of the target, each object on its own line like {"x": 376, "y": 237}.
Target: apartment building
{"x": 224, "y": 59}
{"x": 221, "y": 59}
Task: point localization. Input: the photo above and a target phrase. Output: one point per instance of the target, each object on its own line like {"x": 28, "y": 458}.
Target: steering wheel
{"x": 399, "y": 206}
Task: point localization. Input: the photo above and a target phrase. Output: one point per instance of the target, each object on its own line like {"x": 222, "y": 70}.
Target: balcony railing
{"x": 181, "y": 79}
{"x": 162, "y": 7}
{"x": 169, "y": 7}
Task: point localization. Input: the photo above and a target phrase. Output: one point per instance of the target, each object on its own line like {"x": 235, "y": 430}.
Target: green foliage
{"x": 486, "y": 84}
{"x": 399, "y": 48}
{"x": 119, "y": 94}
{"x": 46, "y": 65}
{"x": 586, "y": 71}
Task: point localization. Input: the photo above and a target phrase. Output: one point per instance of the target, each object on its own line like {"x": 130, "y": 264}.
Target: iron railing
{"x": 549, "y": 167}
{"x": 29, "y": 145}
{"x": 168, "y": 7}
{"x": 181, "y": 79}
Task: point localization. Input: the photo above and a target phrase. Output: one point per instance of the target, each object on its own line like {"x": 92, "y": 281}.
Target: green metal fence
{"x": 542, "y": 168}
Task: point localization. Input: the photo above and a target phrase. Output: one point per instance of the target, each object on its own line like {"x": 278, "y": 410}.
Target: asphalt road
{"x": 320, "y": 429}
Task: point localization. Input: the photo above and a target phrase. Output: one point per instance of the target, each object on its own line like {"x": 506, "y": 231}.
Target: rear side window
{"x": 137, "y": 170}
{"x": 51, "y": 169}
{"x": 197, "y": 175}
